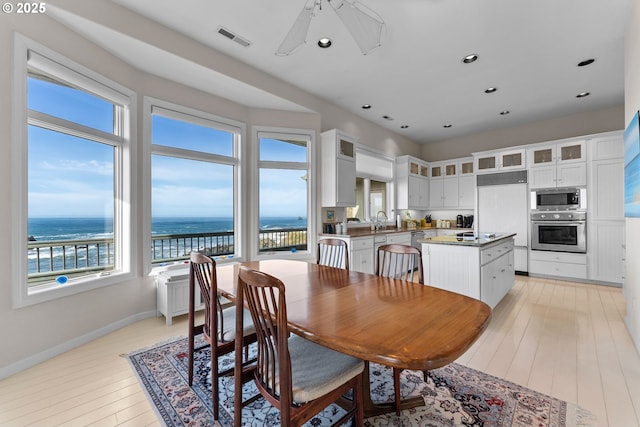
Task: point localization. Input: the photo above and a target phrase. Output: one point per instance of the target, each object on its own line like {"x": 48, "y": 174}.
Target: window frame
{"x": 191, "y": 115}
{"x": 65, "y": 70}
{"x": 309, "y": 136}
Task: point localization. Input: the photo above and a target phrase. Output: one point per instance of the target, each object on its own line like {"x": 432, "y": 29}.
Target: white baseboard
{"x": 33, "y": 360}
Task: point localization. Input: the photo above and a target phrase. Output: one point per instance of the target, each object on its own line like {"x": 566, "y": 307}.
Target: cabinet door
{"x": 418, "y": 193}
{"x": 437, "y": 171}
{"x": 543, "y": 156}
{"x": 606, "y": 251}
{"x": 571, "y": 174}
{"x": 450, "y": 169}
{"x": 466, "y": 191}
{"x": 486, "y": 163}
{"x": 450, "y": 192}
{"x": 512, "y": 159}
{"x": 345, "y": 182}
{"x": 607, "y": 190}
{"x": 424, "y": 194}
{"x": 542, "y": 177}
{"x": 436, "y": 188}
{"x": 570, "y": 152}
{"x": 362, "y": 260}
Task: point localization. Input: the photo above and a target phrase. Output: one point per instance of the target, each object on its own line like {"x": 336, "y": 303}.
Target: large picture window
{"x": 284, "y": 178}
{"x": 194, "y": 185}
{"x": 74, "y": 220}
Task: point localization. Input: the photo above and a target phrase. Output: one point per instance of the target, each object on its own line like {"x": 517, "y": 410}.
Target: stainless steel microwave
{"x": 559, "y": 199}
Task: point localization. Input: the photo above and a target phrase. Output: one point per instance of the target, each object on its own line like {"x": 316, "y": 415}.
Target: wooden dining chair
{"x": 298, "y": 377}
{"x": 219, "y": 327}
{"x": 333, "y": 253}
{"x": 399, "y": 262}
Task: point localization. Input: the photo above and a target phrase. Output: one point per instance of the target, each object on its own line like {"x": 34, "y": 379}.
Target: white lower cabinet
{"x": 486, "y": 273}
{"x": 558, "y": 264}
{"x": 172, "y": 293}
{"x": 361, "y": 254}
{"x": 399, "y": 239}
{"x": 606, "y": 251}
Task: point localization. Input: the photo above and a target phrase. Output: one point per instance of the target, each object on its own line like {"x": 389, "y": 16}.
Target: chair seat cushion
{"x": 316, "y": 370}
{"x": 229, "y": 324}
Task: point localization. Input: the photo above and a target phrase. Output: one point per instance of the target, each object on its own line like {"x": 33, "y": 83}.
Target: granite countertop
{"x": 475, "y": 239}
{"x": 366, "y": 231}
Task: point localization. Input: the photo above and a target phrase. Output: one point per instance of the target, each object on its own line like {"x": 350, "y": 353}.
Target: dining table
{"x": 382, "y": 320}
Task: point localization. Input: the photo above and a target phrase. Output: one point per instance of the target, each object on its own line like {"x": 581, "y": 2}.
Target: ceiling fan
{"x": 364, "y": 25}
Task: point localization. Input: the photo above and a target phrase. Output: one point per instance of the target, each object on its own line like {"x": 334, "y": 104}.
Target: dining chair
{"x": 219, "y": 327}
{"x": 298, "y": 377}
{"x": 399, "y": 262}
{"x": 333, "y": 253}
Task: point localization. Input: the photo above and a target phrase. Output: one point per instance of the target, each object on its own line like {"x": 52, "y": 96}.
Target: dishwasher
{"x": 415, "y": 236}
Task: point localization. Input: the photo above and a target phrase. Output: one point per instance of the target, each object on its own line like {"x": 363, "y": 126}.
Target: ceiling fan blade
{"x": 364, "y": 24}
{"x": 297, "y": 35}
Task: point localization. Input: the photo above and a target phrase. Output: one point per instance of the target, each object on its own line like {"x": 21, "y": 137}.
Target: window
{"x": 284, "y": 174}
{"x": 72, "y": 176}
{"x": 374, "y": 179}
{"x": 194, "y": 184}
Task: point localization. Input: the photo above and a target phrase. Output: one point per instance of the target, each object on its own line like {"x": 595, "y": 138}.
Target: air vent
{"x": 232, "y": 36}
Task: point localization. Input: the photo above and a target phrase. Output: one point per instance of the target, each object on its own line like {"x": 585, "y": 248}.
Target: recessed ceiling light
{"x": 504, "y": 113}
{"x": 470, "y": 58}
{"x": 366, "y": 106}
{"x": 387, "y": 117}
{"x": 404, "y": 126}
{"x": 448, "y": 125}
{"x": 490, "y": 89}
{"x": 324, "y": 42}
{"x": 586, "y": 62}
{"x": 582, "y": 94}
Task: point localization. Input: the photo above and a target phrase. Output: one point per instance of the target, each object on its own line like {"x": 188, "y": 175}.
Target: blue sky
{"x": 71, "y": 177}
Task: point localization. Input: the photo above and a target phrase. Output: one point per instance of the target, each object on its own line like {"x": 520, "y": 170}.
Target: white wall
{"x": 588, "y": 123}
{"x": 34, "y": 333}
{"x": 632, "y": 105}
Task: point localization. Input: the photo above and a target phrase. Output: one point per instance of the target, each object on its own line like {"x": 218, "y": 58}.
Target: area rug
{"x": 454, "y": 396}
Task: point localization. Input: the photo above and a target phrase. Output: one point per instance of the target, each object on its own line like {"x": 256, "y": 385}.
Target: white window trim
{"x": 125, "y": 183}
{"x": 180, "y": 112}
{"x": 254, "y": 194}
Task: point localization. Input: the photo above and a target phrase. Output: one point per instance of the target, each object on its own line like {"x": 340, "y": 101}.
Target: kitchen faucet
{"x": 379, "y": 223}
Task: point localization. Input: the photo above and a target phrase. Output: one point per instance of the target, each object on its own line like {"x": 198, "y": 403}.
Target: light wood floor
{"x": 564, "y": 339}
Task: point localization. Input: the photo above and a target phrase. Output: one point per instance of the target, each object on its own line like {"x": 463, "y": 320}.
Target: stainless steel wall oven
{"x": 561, "y": 231}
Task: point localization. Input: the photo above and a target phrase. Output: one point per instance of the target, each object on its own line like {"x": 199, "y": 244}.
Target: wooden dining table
{"x": 387, "y": 321}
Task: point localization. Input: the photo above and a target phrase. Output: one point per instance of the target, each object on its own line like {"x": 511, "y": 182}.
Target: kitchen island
{"x": 479, "y": 265}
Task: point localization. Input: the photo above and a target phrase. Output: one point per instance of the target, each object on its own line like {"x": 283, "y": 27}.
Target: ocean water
{"x": 70, "y": 229}
{"x": 44, "y": 229}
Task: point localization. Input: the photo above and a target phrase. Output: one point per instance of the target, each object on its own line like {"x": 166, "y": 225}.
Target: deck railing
{"x": 52, "y": 258}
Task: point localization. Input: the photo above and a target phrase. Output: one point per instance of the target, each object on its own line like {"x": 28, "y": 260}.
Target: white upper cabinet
{"x": 500, "y": 161}
{"x": 412, "y": 183}
{"x": 449, "y": 186}
{"x": 338, "y": 169}
{"x": 558, "y": 165}
{"x": 466, "y": 184}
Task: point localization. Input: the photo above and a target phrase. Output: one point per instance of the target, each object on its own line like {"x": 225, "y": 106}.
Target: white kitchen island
{"x": 479, "y": 266}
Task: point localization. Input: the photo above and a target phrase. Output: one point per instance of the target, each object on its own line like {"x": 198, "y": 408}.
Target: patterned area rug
{"x": 454, "y": 396}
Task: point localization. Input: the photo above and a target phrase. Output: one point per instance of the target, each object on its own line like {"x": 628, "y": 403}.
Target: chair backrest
{"x": 334, "y": 253}
{"x": 400, "y": 262}
{"x": 202, "y": 269}
{"x": 264, "y": 296}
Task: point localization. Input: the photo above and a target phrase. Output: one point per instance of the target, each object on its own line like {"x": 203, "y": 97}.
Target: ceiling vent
{"x": 232, "y": 36}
